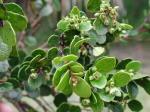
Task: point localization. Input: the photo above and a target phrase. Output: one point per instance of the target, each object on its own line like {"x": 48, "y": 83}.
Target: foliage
{"x": 71, "y": 65}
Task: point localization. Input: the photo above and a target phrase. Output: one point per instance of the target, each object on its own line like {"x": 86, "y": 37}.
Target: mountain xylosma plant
{"x": 76, "y": 62}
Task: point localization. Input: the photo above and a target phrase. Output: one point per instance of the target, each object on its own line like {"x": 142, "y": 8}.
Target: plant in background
{"x": 76, "y": 62}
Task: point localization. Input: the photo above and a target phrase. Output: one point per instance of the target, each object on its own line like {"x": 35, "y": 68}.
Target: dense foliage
{"x": 76, "y": 62}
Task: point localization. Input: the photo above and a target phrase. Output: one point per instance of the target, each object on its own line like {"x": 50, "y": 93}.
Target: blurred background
{"x": 43, "y": 16}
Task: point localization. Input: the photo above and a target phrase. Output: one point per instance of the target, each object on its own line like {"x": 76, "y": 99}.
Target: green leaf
{"x": 18, "y": 22}
{"x": 121, "y": 78}
{"x": 52, "y": 53}
{"x": 73, "y": 42}
{"x": 3, "y": 14}
{"x": 5, "y": 51}
{"x": 78, "y": 85}
{"x": 135, "y": 105}
{"x": 35, "y": 83}
{"x": 65, "y": 107}
{"x": 75, "y": 11}
{"x": 6, "y": 86}
{"x": 14, "y": 8}
{"x": 63, "y": 25}
{"x": 69, "y": 57}
{"x": 116, "y": 107}
{"x": 7, "y": 34}
{"x": 123, "y": 63}
{"x": 77, "y": 45}
{"x": 126, "y": 26}
{"x": 76, "y": 67}
{"x": 85, "y": 26}
{"x": 40, "y": 52}
{"x": 106, "y": 96}
{"x": 133, "y": 65}
{"x": 64, "y": 85}
{"x": 58, "y": 73}
{"x": 14, "y": 82}
{"x": 93, "y": 5}
{"x": 132, "y": 90}
{"x": 53, "y": 41}
{"x": 98, "y": 106}
{"x": 22, "y": 75}
{"x": 35, "y": 60}
{"x": 99, "y": 82}
{"x": 45, "y": 90}
{"x": 59, "y": 99}
{"x": 99, "y": 27}
{"x": 140, "y": 76}
{"x": 145, "y": 83}
{"x": 106, "y": 64}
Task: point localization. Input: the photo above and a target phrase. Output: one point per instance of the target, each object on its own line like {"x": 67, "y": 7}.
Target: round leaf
{"x": 100, "y": 82}
{"x": 135, "y": 105}
{"x": 132, "y": 89}
{"x": 133, "y": 65}
{"x": 105, "y": 64}
{"x": 79, "y": 85}
{"x": 121, "y": 78}
{"x": 18, "y": 22}
{"x": 59, "y": 99}
{"x": 106, "y": 96}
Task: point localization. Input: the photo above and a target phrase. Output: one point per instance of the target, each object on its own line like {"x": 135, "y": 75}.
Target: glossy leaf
{"x": 70, "y": 57}
{"x": 18, "y": 22}
{"x": 39, "y": 52}
{"x": 133, "y": 65}
{"x": 121, "y": 78}
{"x": 105, "y": 64}
{"x": 22, "y": 75}
{"x": 74, "y": 41}
{"x": 98, "y": 106}
{"x": 145, "y": 83}
{"x": 53, "y": 41}
{"x": 69, "y": 108}
{"x": 106, "y": 96}
{"x": 79, "y": 86}
{"x": 7, "y": 34}
{"x": 59, "y": 99}
{"x": 132, "y": 90}
{"x": 64, "y": 85}
{"x": 14, "y": 8}
{"x": 63, "y": 25}
{"x": 76, "y": 67}
{"x": 135, "y": 105}
{"x": 52, "y": 53}
{"x": 123, "y": 63}
{"x": 58, "y": 73}
{"x": 116, "y": 107}
{"x": 100, "y": 82}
